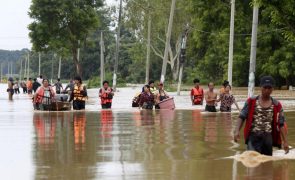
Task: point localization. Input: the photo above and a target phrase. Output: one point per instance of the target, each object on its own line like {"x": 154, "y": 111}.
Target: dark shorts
{"x": 78, "y": 105}
{"x": 261, "y": 143}
{"x": 106, "y": 106}
{"x": 210, "y": 108}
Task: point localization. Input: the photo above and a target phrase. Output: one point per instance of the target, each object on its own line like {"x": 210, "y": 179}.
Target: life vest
{"x": 105, "y": 96}
{"x": 276, "y": 136}
{"x": 198, "y": 95}
{"x": 78, "y": 95}
{"x": 40, "y": 94}
{"x": 153, "y": 90}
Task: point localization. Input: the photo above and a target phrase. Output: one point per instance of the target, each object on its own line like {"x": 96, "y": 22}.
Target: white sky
{"x": 14, "y": 20}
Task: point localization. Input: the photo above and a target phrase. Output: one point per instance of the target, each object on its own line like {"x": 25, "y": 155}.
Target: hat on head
{"x": 266, "y": 81}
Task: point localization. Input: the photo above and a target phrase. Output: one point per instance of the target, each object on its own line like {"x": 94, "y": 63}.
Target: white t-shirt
{"x": 39, "y": 80}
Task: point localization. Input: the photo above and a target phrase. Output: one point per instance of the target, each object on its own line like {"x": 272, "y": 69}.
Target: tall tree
{"x": 61, "y": 24}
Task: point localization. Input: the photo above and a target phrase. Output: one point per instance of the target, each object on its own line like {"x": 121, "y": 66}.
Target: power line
{"x": 237, "y": 34}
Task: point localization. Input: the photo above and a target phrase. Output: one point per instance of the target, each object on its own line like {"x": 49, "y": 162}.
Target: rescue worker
{"x": 106, "y": 95}
{"x": 44, "y": 97}
{"x": 79, "y": 94}
{"x": 265, "y": 121}
{"x": 197, "y": 93}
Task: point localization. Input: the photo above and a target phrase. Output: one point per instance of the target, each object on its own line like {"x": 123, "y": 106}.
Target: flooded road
{"x": 125, "y": 143}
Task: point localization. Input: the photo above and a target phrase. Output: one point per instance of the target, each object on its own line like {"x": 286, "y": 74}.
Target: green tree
{"x": 59, "y": 25}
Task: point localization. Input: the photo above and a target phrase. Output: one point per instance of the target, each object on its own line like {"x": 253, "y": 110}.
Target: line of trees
{"x": 62, "y": 27}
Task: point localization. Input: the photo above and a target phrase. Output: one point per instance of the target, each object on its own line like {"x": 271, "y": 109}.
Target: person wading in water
{"x": 227, "y": 99}
{"x": 211, "y": 98}
{"x": 79, "y": 94}
{"x": 146, "y": 100}
{"x": 160, "y": 95}
{"x": 197, "y": 93}
{"x": 44, "y": 97}
{"x": 265, "y": 121}
{"x": 106, "y": 95}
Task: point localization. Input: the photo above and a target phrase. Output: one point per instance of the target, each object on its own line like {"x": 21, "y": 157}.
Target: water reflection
{"x": 161, "y": 144}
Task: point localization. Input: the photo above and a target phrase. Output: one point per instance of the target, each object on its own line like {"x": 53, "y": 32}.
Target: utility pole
{"x": 231, "y": 43}
{"x": 11, "y": 69}
{"x": 25, "y": 70}
{"x": 102, "y": 49}
{"x": 39, "y": 64}
{"x": 1, "y": 72}
{"x": 117, "y": 48}
{"x": 21, "y": 70}
{"x": 59, "y": 66}
{"x": 167, "y": 44}
{"x": 148, "y": 50}
{"x": 54, "y": 55}
{"x": 182, "y": 59}
{"x": 28, "y": 72}
{"x": 251, "y": 84}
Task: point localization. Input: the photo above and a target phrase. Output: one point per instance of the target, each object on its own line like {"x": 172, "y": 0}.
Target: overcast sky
{"x": 14, "y": 20}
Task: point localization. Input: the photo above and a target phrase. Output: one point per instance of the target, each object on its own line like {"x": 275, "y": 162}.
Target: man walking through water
{"x": 197, "y": 93}
{"x": 265, "y": 121}
{"x": 211, "y": 98}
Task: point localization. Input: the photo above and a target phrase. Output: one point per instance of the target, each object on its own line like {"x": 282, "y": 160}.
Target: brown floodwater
{"x": 125, "y": 143}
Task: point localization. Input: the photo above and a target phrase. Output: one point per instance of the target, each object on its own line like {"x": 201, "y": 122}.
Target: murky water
{"x": 125, "y": 143}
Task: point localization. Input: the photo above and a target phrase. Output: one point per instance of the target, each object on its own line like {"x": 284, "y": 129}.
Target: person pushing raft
{"x": 44, "y": 97}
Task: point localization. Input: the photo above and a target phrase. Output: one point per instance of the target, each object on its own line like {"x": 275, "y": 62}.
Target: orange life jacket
{"x": 29, "y": 85}
{"x": 105, "y": 96}
{"x": 198, "y": 95}
{"x": 78, "y": 95}
{"x": 40, "y": 94}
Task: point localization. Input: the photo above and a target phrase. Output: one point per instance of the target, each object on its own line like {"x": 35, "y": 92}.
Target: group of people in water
{"x": 263, "y": 115}
{"x": 225, "y": 98}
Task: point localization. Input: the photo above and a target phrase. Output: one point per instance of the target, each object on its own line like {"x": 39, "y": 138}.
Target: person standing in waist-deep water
{"x": 10, "y": 88}
{"x": 197, "y": 93}
{"x": 153, "y": 89}
{"x": 35, "y": 85}
{"x": 58, "y": 86}
{"x": 211, "y": 98}
{"x": 30, "y": 86}
{"x": 227, "y": 99}
{"x": 16, "y": 87}
{"x": 265, "y": 121}
{"x": 24, "y": 85}
{"x": 160, "y": 95}
{"x": 106, "y": 95}
{"x": 44, "y": 97}
{"x": 147, "y": 99}
{"x": 79, "y": 95}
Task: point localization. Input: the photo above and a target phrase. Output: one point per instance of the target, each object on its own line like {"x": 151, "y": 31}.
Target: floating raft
{"x": 61, "y": 106}
{"x": 167, "y": 103}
